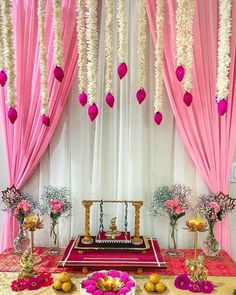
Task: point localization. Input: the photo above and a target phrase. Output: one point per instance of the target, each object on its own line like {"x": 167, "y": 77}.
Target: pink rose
{"x": 215, "y": 206}
{"x": 57, "y": 208}
{"x": 178, "y": 210}
{"x": 27, "y": 207}
{"x": 170, "y": 204}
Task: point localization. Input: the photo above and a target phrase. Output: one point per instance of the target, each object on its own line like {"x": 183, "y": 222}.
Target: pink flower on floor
{"x": 207, "y": 287}
{"x": 123, "y": 291}
{"x": 98, "y": 275}
{"x": 46, "y": 279}
{"x": 130, "y": 284}
{"x": 98, "y": 292}
{"x": 124, "y": 277}
{"x": 215, "y": 206}
{"x": 114, "y": 273}
{"x": 195, "y": 287}
{"x": 34, "y": 284}
{"x": 90, "y": 289}
{"x": 18, "y": 285}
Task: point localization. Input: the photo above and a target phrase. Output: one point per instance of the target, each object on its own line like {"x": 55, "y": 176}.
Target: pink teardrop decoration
{"x": 58, "y": 73}
{"x": 122, "y": 70}
{"x": 222, "y": 107}
{"x": 82, "y": 98}
{"x": 93, "y": 111}
{"x": 188, "y": 98}
{"x": 140, "y": 95}
{"x": 180, "y": 73}
{"x": 12, "y": 115}
{"x": 3, "y": 78}
{"x": 110, "y": 100}
{"x": 46, "y": 120}
{"x": 158, "y": 118}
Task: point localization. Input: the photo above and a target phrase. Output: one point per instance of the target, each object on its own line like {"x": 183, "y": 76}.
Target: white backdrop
{"x": 122, "y": 155}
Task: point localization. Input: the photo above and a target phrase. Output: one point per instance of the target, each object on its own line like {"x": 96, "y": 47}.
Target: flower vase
{"x": 172, "y": 250}
{"x": 21, "y": 242}
{"x": 210, "y": 245}
{"x": 54, "y": 237}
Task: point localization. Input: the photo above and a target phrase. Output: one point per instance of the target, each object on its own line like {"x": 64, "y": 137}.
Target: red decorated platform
{"x": 151, "y": 257}
{"x": 225, "y": 266}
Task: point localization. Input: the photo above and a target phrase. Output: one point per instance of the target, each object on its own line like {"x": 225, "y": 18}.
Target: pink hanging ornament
{"x": 82, "y": 98}
{"x": 188, "y": 98}
{"x": 222, "y": 106}
{"x": 46, "y": 120}
{"x": 140, "y": 95}
{"x": 122, "y": 70}
{"x": 3, "y": 78}
{"x": 158, "y": 118}
{"x": 12, "y": 115}
{"x": 58, "y": 73}
{"x": 180, "y": 73}
{"x": 110, "y": 100}
{"x": 93, "y": 111}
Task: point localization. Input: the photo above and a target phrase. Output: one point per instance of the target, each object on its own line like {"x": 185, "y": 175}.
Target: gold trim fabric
{"x": 225, "y": 285}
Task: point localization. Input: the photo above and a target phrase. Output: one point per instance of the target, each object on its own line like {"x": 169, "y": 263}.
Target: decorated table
{"x": 222, "y": 272}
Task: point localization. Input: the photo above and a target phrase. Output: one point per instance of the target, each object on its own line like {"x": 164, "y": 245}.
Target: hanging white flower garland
{"x": 58, "y": 44}
{"x": 3, "y": 75}
{"x": 188, "y": 62}
{"x": 92, "y": 52}
{"x": 180, "y": 38}
{"x": 43, "y": 63}
{"x": 9, "y": 58}
{"x": 122, "y": 34}
{"x": 82, "y": 52}
{"x": 159, "y": 45}
{"x": 109, "y": 53}
{"x": 223, "y": 55}
{"x": 142, "y": 39}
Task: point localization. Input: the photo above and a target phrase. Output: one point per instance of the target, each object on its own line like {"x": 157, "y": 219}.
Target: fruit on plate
{"x": 57, "y": 284}
{"x": 64, "y": 277}
{"x": 149, "y": 286}
{"x": 154, "y": 284}
{"x": 63, "y": 283}
{"x": 66, "y": 287}
{"x": 154, "y": 278}
{"x": 160, "y": 287}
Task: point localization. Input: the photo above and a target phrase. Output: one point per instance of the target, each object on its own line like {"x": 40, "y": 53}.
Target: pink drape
{"x": 26, "y": 140}
{"x": 209, "y": 139}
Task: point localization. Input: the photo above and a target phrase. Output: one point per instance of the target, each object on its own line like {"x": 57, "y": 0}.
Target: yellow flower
{"x": 32, "y": 222}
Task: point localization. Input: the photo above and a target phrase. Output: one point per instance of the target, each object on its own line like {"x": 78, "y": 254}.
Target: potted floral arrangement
{"x": 20, "y": 205}
{"x": 57, "y": 204}
{"x": 173, "y": 200}
{"x": 213, "y": 207}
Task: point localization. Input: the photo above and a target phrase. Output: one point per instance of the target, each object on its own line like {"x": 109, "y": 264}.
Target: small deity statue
{"x": 113, "y": 232}
{"x": 27, "y": 264}
{"x": 197, "y": 269}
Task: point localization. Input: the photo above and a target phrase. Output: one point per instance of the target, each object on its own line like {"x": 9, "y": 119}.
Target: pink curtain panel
{"x": 208, "y": 138}
{"x": 26, "y": 141}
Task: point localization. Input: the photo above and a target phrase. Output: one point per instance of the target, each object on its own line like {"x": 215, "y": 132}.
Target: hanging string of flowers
{"x": 58, "y": 44}
{"x": 109, "y": 53}
{"x": 121, "y": 24}
{"x": 223, "y": 55}
{"x": 92, "y": 45}
{"x": 159, "y": 45}
{"x": 3, "y": 75}
{"x": 180, "y": 38}
{"x": 43, "y": 64}
{"x": 82, "y": 52}
{"x": 9, "y": 59}
{"x": 142, "y": 39}
{"x": 188, "y": 62}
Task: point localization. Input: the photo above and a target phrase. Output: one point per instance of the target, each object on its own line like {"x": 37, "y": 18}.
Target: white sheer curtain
{"x": 123, "y": 155}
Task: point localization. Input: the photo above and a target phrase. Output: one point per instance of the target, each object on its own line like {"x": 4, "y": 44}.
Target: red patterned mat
{"x": 9, "y": 262}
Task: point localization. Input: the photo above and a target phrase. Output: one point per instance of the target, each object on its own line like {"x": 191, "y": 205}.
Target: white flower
{"x": 223, "y": 54}
{"x": 58, "y": 44}
{"x": 188, "y": 61}
{"x": 122, "y": 33}
{"x": 159, "y": 86}
{"x": 43, "y": 58}
{"x": 180, "y": 32}
{"x": 8, "y": 52}
{"x": 108, "y": 45}
{"x": 92, "y": 50}
{"x": 82, "y": 47}
{"x": 142, "y": 39}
